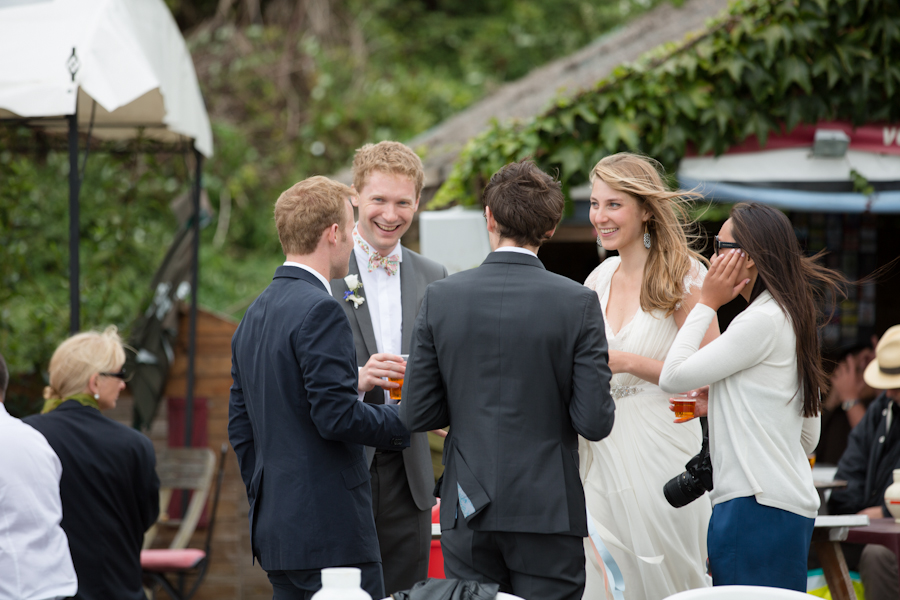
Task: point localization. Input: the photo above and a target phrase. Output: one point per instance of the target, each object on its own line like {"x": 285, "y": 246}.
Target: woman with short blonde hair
{"x": 79, "y": 364}
{"x": 109, "y": 487}
{"x": 645, "y": 293}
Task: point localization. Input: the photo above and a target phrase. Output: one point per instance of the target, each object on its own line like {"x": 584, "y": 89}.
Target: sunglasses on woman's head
{"x": 123, "y": 375}
{"x": 717, "y": 245}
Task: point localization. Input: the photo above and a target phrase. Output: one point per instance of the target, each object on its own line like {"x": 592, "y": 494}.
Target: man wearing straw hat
{"x": 873, "y": 452}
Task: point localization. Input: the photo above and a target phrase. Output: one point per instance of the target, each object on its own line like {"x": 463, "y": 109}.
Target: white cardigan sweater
{"x": 758, "y": 436}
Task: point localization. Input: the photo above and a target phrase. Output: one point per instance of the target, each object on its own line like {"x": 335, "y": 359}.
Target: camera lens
{"x": 697, "y": 478}
{"x": 683, "y": 489}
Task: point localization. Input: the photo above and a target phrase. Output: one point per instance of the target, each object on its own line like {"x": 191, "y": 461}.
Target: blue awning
{"x": 884, "y": 202}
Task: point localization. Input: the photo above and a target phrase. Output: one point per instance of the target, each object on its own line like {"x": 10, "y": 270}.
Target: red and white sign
{"x": 879, "y": 138}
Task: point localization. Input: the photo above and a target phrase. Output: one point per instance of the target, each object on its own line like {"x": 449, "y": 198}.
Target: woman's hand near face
{"x": 721, "y": 285}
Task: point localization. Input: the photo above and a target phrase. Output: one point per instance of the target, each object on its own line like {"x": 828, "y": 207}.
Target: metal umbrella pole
{"x": 74, "y": 189}
{"x": 192, "y": 327}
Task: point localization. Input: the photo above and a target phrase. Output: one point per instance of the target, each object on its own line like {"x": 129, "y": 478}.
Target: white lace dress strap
{"x": 600, "y": 277}
{"x": 693, "y": 281}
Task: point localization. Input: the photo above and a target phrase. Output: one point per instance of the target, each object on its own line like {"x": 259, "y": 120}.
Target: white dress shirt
{"x": 515, "y": 249}
{"x": 318, "y": 275}
{"x": 383, "y": 299}
{"x": 35, "y": 563}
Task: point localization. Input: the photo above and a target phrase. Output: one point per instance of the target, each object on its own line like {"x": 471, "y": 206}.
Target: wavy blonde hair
{"x": 79, "y": 357}
{"x": 672, "y": 231}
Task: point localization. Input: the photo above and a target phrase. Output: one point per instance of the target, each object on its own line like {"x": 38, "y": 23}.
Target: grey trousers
{"x": 404, "y": 531}
{"x": 878, "y": 571}
{"x": 877, "y": 567}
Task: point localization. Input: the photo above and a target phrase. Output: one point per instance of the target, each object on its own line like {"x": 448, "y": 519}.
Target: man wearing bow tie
{"x": 388, "y": 179}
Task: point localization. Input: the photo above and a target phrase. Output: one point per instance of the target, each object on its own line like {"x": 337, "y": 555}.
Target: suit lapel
{"x": 363, "y": 318}
{"x": 408, "y": 301}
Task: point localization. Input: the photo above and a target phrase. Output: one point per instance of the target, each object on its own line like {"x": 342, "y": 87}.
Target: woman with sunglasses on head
{"x": 109, "y": 487}
{"x": 765, "y": 382}
{"x": 645, "y": 294}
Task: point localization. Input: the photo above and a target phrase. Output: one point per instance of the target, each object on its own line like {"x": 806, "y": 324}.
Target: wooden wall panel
{"x": 231, "y": 576}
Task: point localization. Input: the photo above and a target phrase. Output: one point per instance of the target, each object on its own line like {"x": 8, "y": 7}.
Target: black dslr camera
{"x": 697, "y": 478}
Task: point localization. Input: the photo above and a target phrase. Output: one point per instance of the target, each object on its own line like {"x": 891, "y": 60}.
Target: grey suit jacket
{"x": 514, "y": 359}
{"x": 416, "y": 272}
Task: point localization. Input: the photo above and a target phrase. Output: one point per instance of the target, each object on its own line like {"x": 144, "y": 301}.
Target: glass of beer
{"x": 684, "y": 406}
{"x": 395, "y": 392}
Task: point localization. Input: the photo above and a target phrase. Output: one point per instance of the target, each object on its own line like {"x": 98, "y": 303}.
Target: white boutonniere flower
{"x": 354, "y": 285}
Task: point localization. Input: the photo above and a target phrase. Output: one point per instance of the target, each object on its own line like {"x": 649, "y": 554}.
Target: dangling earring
{"x": 96, "y": 396}
{"x": 646, "y": 236}
{"x": 599, "y": 243}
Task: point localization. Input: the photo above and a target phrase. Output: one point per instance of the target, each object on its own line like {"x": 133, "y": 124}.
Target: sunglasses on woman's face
{"x": 717, "y": 245}
{"x": 123, "y": 375}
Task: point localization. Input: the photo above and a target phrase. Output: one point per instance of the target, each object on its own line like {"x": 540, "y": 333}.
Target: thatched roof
{"x": 531, "y": 94}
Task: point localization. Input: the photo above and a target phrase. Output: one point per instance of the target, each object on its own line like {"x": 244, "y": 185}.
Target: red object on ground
{"x": 166, "y": 561}
{"x": 436, "y": 558}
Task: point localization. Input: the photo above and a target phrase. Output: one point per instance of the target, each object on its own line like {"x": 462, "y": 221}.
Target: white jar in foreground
{"x": 341, "y": 583}
{"x": 892, "y": 497}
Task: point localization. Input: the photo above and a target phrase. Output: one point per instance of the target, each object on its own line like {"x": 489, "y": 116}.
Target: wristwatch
{"x": 848, "y": 404}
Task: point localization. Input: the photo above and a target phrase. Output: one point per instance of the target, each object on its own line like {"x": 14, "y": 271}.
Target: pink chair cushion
{"x": 164, "y": 560}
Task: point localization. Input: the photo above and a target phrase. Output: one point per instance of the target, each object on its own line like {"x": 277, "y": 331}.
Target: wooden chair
{"x": 182, "y": 469}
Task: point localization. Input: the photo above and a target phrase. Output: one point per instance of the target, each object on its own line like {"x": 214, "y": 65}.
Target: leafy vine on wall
{"x": 766, "y": 66}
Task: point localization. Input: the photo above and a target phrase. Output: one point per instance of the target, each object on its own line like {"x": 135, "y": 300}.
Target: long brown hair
{"x": 671, "y": 230}
{"x": 795, "y": 281}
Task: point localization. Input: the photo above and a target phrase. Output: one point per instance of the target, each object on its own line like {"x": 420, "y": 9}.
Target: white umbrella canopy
{"x": 131, "y": 61}
{"x": 122, "y": 66}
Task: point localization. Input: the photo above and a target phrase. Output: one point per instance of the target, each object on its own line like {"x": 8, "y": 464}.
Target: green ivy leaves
{"x": 766, "y": 66}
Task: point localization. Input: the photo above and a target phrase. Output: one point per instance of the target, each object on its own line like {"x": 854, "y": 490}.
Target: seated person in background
{"x": 109, "y": 488}
{"x": 35, "y": 563}
{"x": 846, "y": 403}
{"x": 873, "y": 452}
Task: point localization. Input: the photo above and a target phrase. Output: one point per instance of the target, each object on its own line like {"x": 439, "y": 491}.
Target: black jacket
{"x": 514, "y": 359}
{"x": 110, "y": 497}
{"x": 869, "y": 461}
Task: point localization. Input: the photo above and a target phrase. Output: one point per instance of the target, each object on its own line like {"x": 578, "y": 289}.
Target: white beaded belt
{"x": 622, "y": 391}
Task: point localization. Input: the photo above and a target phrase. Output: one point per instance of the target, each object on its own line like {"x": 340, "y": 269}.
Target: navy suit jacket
{"x": 299, "y": 431}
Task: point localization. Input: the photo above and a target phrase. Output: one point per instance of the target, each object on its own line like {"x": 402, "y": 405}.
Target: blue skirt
{"x": 752, "y": 544}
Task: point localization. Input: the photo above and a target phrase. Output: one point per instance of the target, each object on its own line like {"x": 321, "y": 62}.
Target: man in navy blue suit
{"x": 294, "y": 419}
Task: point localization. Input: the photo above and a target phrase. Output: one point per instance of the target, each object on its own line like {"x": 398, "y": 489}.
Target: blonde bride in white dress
{"x": 646, "y": 292}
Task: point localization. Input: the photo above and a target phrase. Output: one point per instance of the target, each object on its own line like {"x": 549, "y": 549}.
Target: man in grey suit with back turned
{"x": 387, "y": 179}
{"x": 514, "y": 359}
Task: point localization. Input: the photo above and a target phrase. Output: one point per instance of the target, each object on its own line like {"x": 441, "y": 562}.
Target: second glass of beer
{"x": 395, "y": 392}
{"x": 684, "y": 406}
